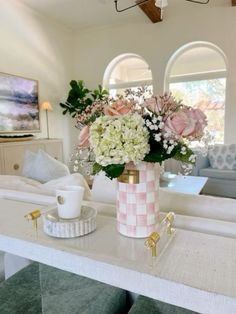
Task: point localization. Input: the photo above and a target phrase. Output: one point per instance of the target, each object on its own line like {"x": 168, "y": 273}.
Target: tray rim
{"x": 69, "y": 228}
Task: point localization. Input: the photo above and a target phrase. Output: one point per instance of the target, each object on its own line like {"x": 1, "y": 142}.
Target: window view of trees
{"x": 208, "y": 95}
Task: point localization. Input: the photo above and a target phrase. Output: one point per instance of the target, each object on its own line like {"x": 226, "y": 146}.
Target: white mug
{"x": 69, "y": 201}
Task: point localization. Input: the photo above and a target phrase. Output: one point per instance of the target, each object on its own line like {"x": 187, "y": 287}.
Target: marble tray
{"x": 69, "y": 228}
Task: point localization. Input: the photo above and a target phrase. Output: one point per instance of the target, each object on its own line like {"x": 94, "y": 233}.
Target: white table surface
{"x": 185, "y": 184}
{"x": 197, "y": 271}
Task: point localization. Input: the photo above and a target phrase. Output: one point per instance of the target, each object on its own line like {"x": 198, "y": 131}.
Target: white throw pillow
{"x": 28, "y": 163}
{"x": 46, "y": 168}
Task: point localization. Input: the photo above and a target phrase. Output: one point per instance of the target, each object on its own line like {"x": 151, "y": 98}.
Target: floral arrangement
{"x": 124, "y": 130}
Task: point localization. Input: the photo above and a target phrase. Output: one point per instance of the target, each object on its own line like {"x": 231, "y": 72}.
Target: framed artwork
{"x": 19, "y": 105}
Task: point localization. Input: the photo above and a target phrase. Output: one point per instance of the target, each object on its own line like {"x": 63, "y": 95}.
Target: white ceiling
{"x": 80, "y": 14}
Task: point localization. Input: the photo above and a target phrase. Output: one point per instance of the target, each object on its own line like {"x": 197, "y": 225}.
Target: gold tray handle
{"x": 151, "y": 243}
{"x": 33, "y": 216}
{"x": 169, "y": 220}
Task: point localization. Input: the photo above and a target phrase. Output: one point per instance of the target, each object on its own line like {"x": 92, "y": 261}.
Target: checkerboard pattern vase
{"x": 138, "y": 204}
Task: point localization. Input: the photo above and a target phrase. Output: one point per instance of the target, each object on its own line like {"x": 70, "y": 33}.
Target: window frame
{"x": 208, "y": 75}
{"x": 110, "y": 68}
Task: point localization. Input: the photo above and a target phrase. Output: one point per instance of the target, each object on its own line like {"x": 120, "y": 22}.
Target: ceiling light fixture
{"x": 132, "y": 6}
{"x": 159, "y": 3}
{"x": 199, "y": 2}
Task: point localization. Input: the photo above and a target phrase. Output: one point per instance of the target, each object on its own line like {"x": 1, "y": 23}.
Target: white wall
{"x": 34, "y": 47}
{"x": 183, "y": 23}
{"x": 38, "y": 48}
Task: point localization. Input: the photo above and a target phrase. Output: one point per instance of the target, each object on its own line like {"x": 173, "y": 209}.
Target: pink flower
{"x": 161, "y": 104}
{"x": 152, "y": 105}
{"x": 84, "y": 137}
{"x": 201, "y": 121}
{"x": 187, "y": 122}
{"x": 118, "y": 108}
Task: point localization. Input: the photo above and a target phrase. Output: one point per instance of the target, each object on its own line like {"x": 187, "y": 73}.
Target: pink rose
{"x": 200, "y": 121}
{"x": 119, "y": 107}
{"x": 196, "y": 114}
{"x": 187, "y": 122}
{"x": 84, "y": 137}
{"x": 160, "y": 104}
{"x": 152, "y": 104}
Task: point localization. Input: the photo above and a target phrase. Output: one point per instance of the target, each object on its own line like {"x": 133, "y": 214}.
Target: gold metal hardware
{"x": 60, "y": 200}
{"x": 151, "y": 243}
{"x": 169, "y": 219}
{"x": 16, "y": 166}
{"x": 33, "y": 216}
{"x": 129, "y": 176}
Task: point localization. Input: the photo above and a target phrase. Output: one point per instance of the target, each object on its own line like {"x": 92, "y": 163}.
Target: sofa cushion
{"x": 223, "y": 157}
{"x": 218, "y": 174}
{"x": 43, "y": 167}
{"x": 28, "y": 163}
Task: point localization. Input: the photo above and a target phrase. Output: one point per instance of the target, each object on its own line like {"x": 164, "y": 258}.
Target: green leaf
{"x": 184, "y": 158}
{"x": 157, "y": 152}
{"x": 114, "y": 171}
{"x": 111, "y": 171}
{"x": 73, "y": 84}
{"x": 154, "y": 157}
{"x": 100, "y": 93}
{"x": 96, "y": 168}
{"x": 79, "y": 97}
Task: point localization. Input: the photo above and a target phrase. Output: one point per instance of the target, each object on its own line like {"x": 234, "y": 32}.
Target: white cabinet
{"x": 12, "y": 153}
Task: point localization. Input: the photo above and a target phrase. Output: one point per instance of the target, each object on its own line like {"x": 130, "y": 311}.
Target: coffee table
{"x": 185, "y": 184}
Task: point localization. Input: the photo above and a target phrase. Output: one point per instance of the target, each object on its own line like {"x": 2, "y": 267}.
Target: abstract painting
{"x": 19, "y": 106}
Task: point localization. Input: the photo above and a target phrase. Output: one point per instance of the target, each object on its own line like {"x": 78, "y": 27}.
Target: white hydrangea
{"x": 119, "y": 139}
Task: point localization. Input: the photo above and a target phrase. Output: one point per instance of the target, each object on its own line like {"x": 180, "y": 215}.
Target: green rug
{"x": 20, "y": 294}
{"x": 43, "y": 289}
{"x": 2, "y": 276}
{"x": 144, "y": 305}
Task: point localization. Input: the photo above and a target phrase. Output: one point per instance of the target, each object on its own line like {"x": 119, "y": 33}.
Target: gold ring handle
{"x": 151, "y": 243}
{"x": 169, "y": 219}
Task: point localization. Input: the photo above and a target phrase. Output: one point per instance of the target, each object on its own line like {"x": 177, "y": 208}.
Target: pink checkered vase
{"x": 138, "y": 204}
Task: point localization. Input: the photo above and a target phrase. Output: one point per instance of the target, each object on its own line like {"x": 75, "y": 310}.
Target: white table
{"x": 197, "y": 271}
{"x": 185, "y": 184}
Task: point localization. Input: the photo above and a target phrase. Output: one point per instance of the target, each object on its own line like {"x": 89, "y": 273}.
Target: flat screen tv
{"x": 19, "y": 105}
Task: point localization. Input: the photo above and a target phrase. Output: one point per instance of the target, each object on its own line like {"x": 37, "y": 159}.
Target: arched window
{"x": 197, "y": 75}
{"x": 127, "y": 71}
